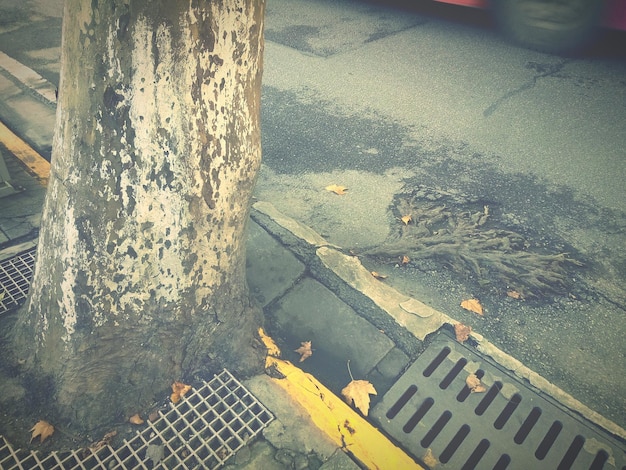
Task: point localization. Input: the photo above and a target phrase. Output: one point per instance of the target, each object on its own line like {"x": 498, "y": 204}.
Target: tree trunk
{"x": 140, "y": 275}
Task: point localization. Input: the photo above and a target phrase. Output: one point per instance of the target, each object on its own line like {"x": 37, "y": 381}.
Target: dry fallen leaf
{"x": 474, "y": 384}
{"x": 429, "y": 459}
{"x": 462, "y": 332}
{"x": 43, "y": 429}
{"x": 406, "y": 219}
{"x": 304, "y": 350}
{"x": 514, "y": 294}
{"x": 135, "y": 419}
{"x": 178, "y": 390}
{"x": 405, "y": 260}
{"x": 473, "y": 305}
{"x": 337, "y": 189}
{"x": 358, "y": 391}
{"x": 378, "y": 275}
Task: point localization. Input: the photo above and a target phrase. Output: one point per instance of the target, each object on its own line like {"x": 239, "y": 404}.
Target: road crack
{"x": 543, "y": 70}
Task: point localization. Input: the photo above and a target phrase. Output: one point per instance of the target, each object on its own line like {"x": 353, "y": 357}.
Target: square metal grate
{"x": 431, "y": 412}
{"x": 203, "y": 430}
{"x": 15, "y": 276}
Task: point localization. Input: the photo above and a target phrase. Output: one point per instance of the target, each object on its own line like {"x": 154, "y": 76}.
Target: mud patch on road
{"x": 469, "y": 237}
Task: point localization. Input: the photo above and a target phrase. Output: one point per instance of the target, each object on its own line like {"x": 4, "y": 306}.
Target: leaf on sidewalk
{"x": 337, "y": 189}
{"x": 43, "y": 429}
{"x": 304, "y": 350}
{"x": 462, "y": 332}
{"x": 358, "y": 392}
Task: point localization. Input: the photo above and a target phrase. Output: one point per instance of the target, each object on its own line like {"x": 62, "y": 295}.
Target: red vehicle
{"x": 553, "y": 25}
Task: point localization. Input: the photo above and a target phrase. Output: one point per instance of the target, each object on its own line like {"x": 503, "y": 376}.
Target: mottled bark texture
{"x": 140, "y": 276}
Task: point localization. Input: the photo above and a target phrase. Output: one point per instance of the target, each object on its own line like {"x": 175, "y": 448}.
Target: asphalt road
{"x": 433, "y": 105}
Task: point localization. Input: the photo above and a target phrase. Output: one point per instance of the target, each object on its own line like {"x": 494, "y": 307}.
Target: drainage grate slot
{"x": 548, "y": 440}
{"x": 509, "y": 426}
{"x": 454, "y": 444}
{"x": 478, "y": 453}
{"x": 406, "y": 396}
{"x": 436, "y": 429}
{"x": 528, "y": 425}
{"x": 203, "y": 430}
{"x": 508, "y": 411}
{"x": 572, "y": 453}
{"x": 418, "y": 415}
{"x": 488, "y": 398}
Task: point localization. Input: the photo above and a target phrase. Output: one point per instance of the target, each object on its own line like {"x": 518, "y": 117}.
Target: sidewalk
{"x": 309, "y": 290}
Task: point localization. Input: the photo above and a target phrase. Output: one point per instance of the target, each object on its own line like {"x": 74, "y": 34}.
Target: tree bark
{"x": 140, "y": 275}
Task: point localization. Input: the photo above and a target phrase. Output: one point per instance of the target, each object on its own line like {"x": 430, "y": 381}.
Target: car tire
{"x": 557, "y": 26}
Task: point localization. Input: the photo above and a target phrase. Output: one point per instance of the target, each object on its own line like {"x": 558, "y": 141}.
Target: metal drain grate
{"x": 15, "y": 276}
{"x": 430, "y": 411}
{"x": 203, "y": 430}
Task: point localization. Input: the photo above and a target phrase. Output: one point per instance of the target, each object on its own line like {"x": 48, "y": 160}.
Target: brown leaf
{"x": 473, "y": 305}
{"x": 405, "y": 260}
{"x": 136, "y": 419}
{"x": 178, "y": 391}
{"x": 43, "y": 429}
{"x": 377, "y": 275}
{"x": 406, "y": 219}
{"x": 337, "y": 189}
{"x": 462, "y": 332}
{"x": 304, "y": 350}
{"x": 515, "y": 295}
{"x": 359, "y": 391}
{"x": 474, "y": 384}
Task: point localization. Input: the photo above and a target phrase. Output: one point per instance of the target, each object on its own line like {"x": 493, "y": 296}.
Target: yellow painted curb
{"x": 34, "y": 162}
{"x": 335, "y": 418}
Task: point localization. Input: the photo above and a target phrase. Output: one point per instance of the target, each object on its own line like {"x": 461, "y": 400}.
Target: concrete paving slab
{"x": 311, "y": 312}
{"x": 270, "y": 268}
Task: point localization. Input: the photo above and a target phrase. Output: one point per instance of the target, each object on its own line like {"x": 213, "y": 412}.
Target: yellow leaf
{"x": 378, "y": 275}
{"x": 43, "y": 429}
{"x": 358, "y": 392}
{"x": 429, "y": 459}
{"x": 473, "y": 305}
{"x": 406, "y": 219}
{"x": 341, "y": 190}
{"x": 304, "y": 350}
{"x": 178, "y": 391}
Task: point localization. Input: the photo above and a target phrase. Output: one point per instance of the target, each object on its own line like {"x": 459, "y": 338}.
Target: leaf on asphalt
{"x": 178, "y": 391}
{"x": 405, "y": 260}
{"x": 377, "y": 275}
{"x": 406, "y": 219}
{"x": 304, "y": 350}
{"x": 514, "y": 294}
{"x": 462, "y": 332}
{"x": 43, "y": 429}
{"x": 474, "y": 384}
{"x": 337, "y": 189}
{"x": 473, "y": 305}
{"x": 358, "y": 392}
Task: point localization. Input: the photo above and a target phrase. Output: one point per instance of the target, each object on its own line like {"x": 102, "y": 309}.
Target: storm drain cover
{"x": 203, "y": 430}
{"x": 15, "y": 275}
{"x": 432, "y": 413}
